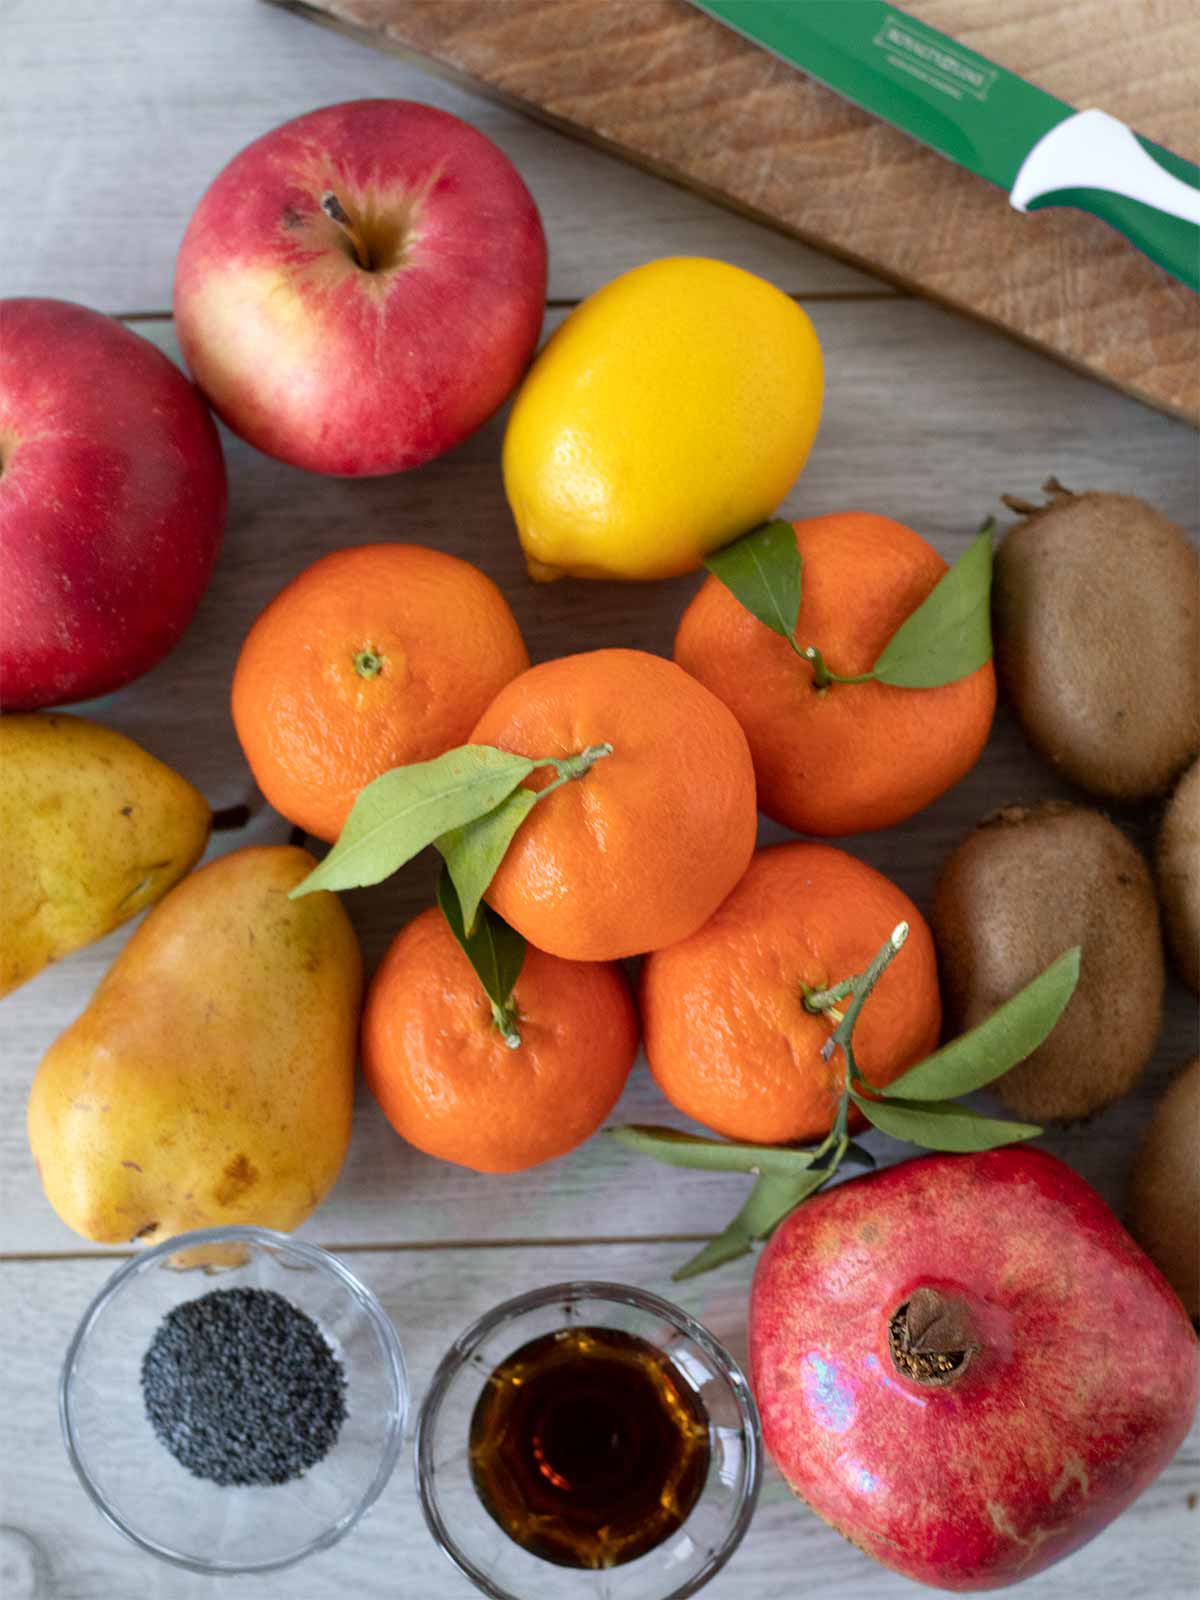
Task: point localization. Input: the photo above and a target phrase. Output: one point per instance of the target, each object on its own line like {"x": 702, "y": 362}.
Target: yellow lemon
{"x": 671, "y": 412}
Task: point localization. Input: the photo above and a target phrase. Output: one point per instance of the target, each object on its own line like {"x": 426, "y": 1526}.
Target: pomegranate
{"x": 966, "y": 1365}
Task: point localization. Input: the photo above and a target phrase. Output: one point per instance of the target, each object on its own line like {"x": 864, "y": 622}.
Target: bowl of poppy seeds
{"x": 234, "y": 1400}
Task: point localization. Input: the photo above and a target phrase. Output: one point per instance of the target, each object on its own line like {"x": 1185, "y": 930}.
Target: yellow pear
{"x": 210, "y": 1080}
{"x": 92, "y": 830}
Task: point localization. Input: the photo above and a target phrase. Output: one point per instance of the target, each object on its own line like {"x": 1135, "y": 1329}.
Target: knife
{"x": 1038, "y": 148}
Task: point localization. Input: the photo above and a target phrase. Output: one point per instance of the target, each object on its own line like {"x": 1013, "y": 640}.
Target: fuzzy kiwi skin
{"x": 1178, "y": 863}
{"x": 1096, "y": 620}
{"x": 1021, "y": 889}
{"x": 1164, "y": 1194}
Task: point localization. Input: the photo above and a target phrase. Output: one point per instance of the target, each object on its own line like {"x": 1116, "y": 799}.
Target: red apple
{"x": 966, "y": 1365}
{"x": 361, "y": 288}
{"x": 112, "y": 501}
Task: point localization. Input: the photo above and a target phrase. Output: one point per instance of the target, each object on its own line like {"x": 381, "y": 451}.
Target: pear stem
{"x": 230, "y": 818}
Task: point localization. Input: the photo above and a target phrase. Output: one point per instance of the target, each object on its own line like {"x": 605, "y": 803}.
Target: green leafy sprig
{"x": 947, "y": 637}
{"x": 468, "y": 803}
{"x": 918, "y": 1106}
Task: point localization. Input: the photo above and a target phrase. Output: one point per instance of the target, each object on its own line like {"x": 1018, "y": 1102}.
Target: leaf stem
{"x": 823, "y": 675}
{"x": 843, "y": 1034}
{"x": 505, "y": 1018}
{"x": 818, "y": 1000}
{"x": 572, "y": 767}
{"x": 863, "y": 985}
{"x": 822, "y": 1000}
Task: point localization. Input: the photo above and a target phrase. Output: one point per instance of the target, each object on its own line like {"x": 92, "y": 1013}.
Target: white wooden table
{"x": 114, "y": 116}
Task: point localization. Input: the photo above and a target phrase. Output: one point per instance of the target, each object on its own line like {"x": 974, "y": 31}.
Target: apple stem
{"x": 336, "y": 212}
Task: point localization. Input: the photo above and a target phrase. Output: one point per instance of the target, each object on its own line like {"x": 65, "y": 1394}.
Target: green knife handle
{"x": 1170, "y": 241}
{"x": 1094, "y": 162}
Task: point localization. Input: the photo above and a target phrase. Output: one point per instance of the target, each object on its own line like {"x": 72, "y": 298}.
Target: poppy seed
{"x": 243, "y": 1388}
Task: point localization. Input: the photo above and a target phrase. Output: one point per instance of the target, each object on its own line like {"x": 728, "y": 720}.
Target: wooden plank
{"x": 53, "y": 1545}
{"x": 117, "y": 115}
{"x": 683, "y": 96}
{"x": 928, "y": 419}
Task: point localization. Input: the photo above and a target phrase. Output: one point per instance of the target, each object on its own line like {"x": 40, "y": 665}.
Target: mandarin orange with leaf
{"x": 728, "y": 1034}
{"x": 449, "y": 1083}
{"x": 372, "y": 658}
{"x": 642, "y": 848}
{"x": 849, "y": 757}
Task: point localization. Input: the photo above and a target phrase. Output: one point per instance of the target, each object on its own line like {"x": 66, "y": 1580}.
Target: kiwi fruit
{"x": 1096, "y": 618}
{"x": 1178, "y": 863}
{"x": 1026, "y": 885}
{"x": 1164, "y": 1196}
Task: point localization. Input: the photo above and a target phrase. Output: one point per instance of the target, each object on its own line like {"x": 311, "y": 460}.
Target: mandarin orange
{"x": 447, "y": 1081}
{"x": 727, "y": 1033}
{"x": 372, "y": 658}
{"x": 643, "y": 847}
{"x": 851, "y": 757}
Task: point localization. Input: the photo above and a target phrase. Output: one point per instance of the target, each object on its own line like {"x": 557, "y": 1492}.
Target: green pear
{"x": 92, "y": 830}
{"x": 211, "y": 1078}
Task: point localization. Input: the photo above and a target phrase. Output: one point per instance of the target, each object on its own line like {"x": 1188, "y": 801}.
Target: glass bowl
{"x": 480, "y": 1548}
{"x": 139, "y": 1486}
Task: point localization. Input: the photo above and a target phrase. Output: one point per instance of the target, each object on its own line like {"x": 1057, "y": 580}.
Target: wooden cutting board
{"x": 667, "y": 87}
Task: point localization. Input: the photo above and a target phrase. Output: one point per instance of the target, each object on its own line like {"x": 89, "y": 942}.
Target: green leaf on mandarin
{"x": 1012, "y": 1032}
{"x": 496, "y": 951}
{"x": 473, "y": 852}
{"x": 771, "y": 1199}
{"x": 942, "y": 1124}
{"x": 762, "y": 572}
{"x": 399, "y": 813}
{"x": 678, "y": 1149}
{"x": 949, "y": 635}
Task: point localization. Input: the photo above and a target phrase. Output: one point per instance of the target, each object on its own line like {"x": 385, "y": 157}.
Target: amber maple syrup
{"x": 589, "y": 1447}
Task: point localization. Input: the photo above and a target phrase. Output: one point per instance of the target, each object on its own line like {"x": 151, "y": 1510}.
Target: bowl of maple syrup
{"x": 588, "y": 1441}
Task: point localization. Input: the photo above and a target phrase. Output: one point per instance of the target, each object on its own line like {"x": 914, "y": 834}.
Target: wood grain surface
{"x": 93, "y": 92}
{"x": 115, "y": 116}
{"x": 672, "y": 89}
